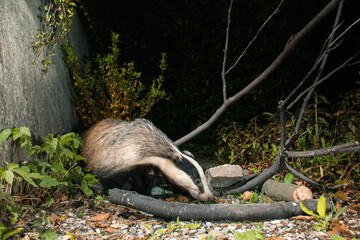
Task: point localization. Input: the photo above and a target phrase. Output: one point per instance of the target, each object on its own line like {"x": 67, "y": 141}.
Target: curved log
{"x": 211, "y": 212}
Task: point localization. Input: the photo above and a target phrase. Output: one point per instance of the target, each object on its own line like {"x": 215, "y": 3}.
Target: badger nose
{"x": 207, "y": 197}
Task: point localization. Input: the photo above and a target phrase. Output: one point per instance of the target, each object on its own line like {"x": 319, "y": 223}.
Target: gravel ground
{"x": 99, "y": 219}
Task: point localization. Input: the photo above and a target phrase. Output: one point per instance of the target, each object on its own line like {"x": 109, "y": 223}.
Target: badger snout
{"x": 206, "y": 197}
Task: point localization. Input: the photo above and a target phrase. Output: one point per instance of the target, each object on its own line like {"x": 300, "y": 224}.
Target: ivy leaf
{"x": 4, "y": 135}
{"x": 25, "y": 175}
{"x": 8, "y": 176}
{"x": 19, "y": 132}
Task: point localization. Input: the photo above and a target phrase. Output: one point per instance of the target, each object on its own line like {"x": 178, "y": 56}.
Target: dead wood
{"x": 286, "y": 192}
{"x": 211, "y": 212}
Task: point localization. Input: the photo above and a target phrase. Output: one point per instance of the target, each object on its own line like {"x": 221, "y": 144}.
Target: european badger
{"x": 116, "y": 150}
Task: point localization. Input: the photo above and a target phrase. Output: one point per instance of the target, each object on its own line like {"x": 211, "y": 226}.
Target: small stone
{"x": 224, "y": 175}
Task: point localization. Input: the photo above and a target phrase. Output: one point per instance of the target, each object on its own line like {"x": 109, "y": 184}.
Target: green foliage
{"x": 105, "y": 89}
{"x": 50, "y": 167}
{"x": 323, "y": 219}
{"x": 56, "y": 21}
{"x": 249, "y": 144}
{"x": 289, "y": 178}
{"x": 6, "y": 232}
{"x": 171, "y": 226}
{"x": 249, "y": 235}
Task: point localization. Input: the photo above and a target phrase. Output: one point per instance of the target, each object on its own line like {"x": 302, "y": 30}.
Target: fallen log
{"x": 286, "y": 192}
{"x": 211, "y": 212}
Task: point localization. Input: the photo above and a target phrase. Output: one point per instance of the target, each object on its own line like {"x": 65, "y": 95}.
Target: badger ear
{"x": 177, "y": 158}
{"x": 189, "y": 154}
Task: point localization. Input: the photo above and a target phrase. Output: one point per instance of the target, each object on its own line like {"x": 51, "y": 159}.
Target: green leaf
{"x": 336, "y": 237}
{"x": 25, "y": 175}
{"x": 10, "y": 232}
{"x": 340, "y": 211}
{"x": 321, "y": 207}
{"x": 50, "y": 235}
{"x": 193, "y": 225}
{"x": 8, "y": 176}
{"x": 48, "y": 202}
{"x": 4, "y": 135}
{"x": 289, "y": 178}
{"x": 19, "y": 132}
{"x": 318, "y": 227}
{"x": 307, "y": 211}
{"x": 64, "y": 139}
{"x": 85, "y": 188}
{"x": 48, "y": 182}
{"x": 68, "y": 153}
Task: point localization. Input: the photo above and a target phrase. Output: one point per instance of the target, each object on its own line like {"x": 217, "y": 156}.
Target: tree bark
{"x": 211, "y": 212}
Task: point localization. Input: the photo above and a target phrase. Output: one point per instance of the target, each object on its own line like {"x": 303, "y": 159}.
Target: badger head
{"x": 191, "y": 177}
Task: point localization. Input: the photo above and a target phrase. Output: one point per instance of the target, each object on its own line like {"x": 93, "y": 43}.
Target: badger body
{"x": 118, "y": 150}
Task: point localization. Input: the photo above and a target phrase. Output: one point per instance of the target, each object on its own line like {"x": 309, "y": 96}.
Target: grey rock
{"x": 224, "y": 176}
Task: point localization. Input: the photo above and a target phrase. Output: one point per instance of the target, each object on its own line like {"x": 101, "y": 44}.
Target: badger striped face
{"x": 200, "y": 189}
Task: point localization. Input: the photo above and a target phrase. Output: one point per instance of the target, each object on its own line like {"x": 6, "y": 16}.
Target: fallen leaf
{"x": 304, "y": 218}
{"x": 182, "y": 198}
{"x": 53, "y": 219}
{"x": 169, "y": 199}
{"x": 341, "y": 195}
{"x": 337, "y": 226}
{"x": 100, "y": 217}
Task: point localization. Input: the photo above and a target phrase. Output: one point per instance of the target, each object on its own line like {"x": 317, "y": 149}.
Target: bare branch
{"x": 346, "y": 30}
{"x": 342, "y": 148}
{"x": 276, "y": 63}
{"x": 225, "y": 51}
{"x": 255, "y": 37}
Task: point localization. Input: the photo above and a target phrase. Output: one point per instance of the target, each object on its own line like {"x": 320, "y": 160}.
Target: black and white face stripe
{"x": 188, "y": 167}
{"x": 195, "y": 171}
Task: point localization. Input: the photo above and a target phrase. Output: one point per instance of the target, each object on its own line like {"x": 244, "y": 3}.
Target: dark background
{"x": 192, "y": 33}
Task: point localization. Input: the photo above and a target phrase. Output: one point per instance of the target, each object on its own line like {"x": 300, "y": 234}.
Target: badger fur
{"x": 117, "y": 150}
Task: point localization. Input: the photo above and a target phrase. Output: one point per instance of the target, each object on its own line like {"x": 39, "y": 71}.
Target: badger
{"x": 118, "y": 150}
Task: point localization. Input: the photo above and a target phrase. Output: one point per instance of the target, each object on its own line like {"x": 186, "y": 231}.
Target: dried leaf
{"x": 341, "y": 195}
{"x": 100, "y": 217}
{"x": 304, "y": 218}
{"x": 336, "y": 226}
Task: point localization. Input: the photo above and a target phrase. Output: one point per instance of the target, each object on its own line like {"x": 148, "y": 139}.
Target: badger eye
{"x": 197, "y": 181}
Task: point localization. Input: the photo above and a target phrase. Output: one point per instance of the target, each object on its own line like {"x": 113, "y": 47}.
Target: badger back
{"x": 115, "y": 145}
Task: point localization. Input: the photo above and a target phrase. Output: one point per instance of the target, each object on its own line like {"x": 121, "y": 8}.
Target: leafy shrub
{"x": 258, "y": 144}
{"x": 250, "y": 144}
{"x": 53, "y": 168}
{"x": 105, "y": 89}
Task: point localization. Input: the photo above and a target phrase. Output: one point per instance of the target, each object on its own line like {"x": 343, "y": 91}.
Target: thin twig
{"x": 345, "y": 31}
{"x": 225, "y": 51}
{"x": 255, "y": 37}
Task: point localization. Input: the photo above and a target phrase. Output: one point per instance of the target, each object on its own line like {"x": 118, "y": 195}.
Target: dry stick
{"x": 225, "y": 52}
{"x": 276, "y": 63}
{"x": 342, "y": 148}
